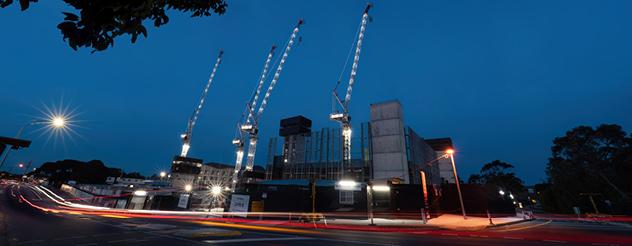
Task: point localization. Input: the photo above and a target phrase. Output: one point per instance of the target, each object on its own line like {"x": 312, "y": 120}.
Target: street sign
{"x": 239, "y": 203}
{"x": 576, "y": 210}
{"x": 184, "y": 201}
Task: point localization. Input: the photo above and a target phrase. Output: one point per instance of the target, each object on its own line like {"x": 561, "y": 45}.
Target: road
{"x": 21, "y": 224}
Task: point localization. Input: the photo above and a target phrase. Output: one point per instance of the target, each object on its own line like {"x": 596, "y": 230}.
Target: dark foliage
{"x": 588, "y": 160}
{"x": 91, "y": 172}
{"x": 96, "y": 23}
{"x": 499, "y": 174}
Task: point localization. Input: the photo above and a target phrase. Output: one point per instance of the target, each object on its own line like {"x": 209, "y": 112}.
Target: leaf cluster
{"x": 97, "y": 23}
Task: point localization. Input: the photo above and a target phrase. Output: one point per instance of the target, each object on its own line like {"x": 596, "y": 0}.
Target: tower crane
{"x": 238, "y": 141}
{"x": 251, "y": 126}
{"x": 186, "y": 136}
{"x": 341, "y": 107}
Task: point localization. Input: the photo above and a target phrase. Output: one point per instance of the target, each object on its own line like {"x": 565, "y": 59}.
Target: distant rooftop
{"x": 219, "y": 165}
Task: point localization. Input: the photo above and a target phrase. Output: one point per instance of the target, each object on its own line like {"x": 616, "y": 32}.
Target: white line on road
{"x": 243, "y": 240}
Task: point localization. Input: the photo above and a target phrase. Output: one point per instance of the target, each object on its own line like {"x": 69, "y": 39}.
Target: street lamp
{"x": 216, "y": 191}
{"x": 456, "y": 177}
{"x": 188, "y": 188}
{"x": 56, "y": 122}
{"x": 162, "y": 175}
{"x": 140, "y": 193}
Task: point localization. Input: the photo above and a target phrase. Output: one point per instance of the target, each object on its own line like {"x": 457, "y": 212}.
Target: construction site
{"x": 384, "y": 164}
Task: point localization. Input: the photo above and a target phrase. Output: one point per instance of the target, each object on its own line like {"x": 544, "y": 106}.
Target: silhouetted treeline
{"x": 589, "y": 161}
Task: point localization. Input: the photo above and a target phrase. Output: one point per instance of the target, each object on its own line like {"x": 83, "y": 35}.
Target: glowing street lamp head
{"x": 140, "y": 193}
{"x": 216, "y": 190}
{"x": 20, "y": 165}
{"x": 58, "y": 122}
{"x": 449, "y": 151}
{"x": 163, "y": 174}
{"x": 188, "y": 188}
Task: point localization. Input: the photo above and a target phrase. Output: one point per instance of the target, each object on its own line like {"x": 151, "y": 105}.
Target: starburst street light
{"x": 216, "y": 190}
{"x": 59, "y": 121}
{"x": 54, "y": 122}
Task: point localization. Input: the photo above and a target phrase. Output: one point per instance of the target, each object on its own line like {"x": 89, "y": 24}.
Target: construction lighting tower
{"x": 341, "y": 107}
{"x": 186, "y": 136}
{"x": 238, "y": 141}
{"x": 251, "y": 127}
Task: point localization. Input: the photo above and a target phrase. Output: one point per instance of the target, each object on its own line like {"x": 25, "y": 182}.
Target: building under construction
{"x": 384, "y": 149}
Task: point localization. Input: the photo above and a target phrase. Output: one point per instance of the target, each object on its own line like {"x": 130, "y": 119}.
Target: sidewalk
{"x": 446, "y": 221}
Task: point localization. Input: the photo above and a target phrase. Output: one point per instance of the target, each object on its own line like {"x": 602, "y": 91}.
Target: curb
{"x": 509, "y": 223}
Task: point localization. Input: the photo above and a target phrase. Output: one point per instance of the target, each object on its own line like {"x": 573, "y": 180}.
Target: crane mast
{"x": 186, "y": 136}
{"x": 342, "y": 115}
{"x": 251, "y": 127}
{"x": 239, "y": 140}
{"x": 254, "y": 130}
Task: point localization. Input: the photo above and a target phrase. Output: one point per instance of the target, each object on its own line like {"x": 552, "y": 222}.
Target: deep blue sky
{"x": 502, "y": 78}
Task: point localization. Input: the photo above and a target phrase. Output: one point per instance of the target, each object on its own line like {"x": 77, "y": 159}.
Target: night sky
{"x": 502, "y": 78}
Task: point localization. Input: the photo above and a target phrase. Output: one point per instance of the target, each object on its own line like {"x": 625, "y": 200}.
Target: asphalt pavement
{"x": 21, "y": 224}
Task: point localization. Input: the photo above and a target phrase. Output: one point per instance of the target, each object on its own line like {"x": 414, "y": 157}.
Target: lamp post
{"x": 369, "y": 202}
{"x": 456, "y": 177}
{"x": 162, "y": 175}
{"x": 55, "y": 121}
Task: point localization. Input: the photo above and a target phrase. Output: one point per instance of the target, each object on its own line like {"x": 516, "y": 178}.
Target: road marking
{"x": 554, "y": 241}
{"x": 243, "y": 240}
{"x": 525, "y": 227}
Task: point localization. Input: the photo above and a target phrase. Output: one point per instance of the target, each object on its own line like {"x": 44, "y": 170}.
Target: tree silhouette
{"x": 97, "y": 23}
{"x": 588, "y": 160}
{"x": 499, "y": 174}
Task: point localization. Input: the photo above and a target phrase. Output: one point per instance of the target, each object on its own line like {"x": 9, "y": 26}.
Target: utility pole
{"x": 592, "y": 201}
{"x": 313, "y": 186}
